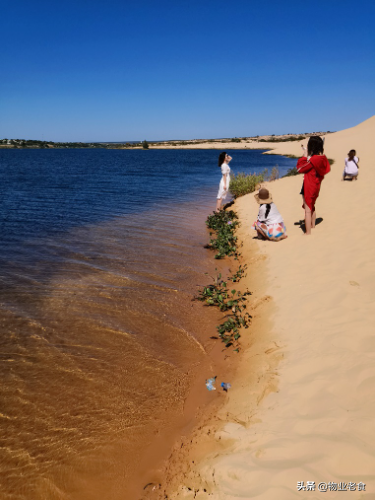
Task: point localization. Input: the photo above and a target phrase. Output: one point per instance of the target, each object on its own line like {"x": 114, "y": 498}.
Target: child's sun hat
{"x": 263, "y": 196}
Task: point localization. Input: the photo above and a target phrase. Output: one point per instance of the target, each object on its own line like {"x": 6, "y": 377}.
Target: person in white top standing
{"x": 223, "y": 163}
{"x": 351, "y": 166}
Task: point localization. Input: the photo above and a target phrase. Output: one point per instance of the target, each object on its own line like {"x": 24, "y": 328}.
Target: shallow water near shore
{"x": 101, "y": 254}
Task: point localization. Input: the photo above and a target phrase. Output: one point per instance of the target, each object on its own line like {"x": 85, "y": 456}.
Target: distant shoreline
{"x": 253, "y": 142}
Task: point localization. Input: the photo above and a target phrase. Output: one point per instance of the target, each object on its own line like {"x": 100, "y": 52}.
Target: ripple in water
{"x": 100, "y": 340}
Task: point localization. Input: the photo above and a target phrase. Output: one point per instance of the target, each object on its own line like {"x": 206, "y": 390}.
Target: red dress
{"x": 314, "y": 169}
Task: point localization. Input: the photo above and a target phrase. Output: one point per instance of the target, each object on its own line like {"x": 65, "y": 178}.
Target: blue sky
{"x": 117, "y": 71}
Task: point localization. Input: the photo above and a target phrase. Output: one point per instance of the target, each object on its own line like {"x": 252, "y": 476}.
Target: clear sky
{"x": 120, "y": 70}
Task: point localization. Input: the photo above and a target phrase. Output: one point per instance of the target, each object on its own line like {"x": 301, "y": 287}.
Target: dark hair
{"x": 351, "y": 154}
{"x": 268, "y": 208}
{"x": 315, "y": 146}
{"x": 221, "y": 158}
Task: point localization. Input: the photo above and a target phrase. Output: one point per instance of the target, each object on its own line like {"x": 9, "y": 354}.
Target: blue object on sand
{"x": 225, "y": 386}
{"x": 210, "y": 384}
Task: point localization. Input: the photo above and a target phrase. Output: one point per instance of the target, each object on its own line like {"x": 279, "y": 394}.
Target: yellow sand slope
{"x": 319, "y": 352}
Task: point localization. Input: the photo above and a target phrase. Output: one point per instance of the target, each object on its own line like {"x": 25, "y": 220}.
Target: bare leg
{"x": 262, "y": 232}
{"x": 218, "y": 204}
{"x": 313, "y": 219}
{"x": 261, "y": 236}
{"x": 283, "y": 237}
{"x": 307, "y": 220}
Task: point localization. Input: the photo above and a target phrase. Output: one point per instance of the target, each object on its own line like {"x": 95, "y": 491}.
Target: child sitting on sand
{"x": 351, "y": 166}
{"x": 269, "y": 224}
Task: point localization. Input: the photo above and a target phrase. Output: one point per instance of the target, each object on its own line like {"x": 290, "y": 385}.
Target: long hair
{"x": 268, "y": 209}
{"x": 351, "y": 154}
{"x": 221, "y": 158}
{"x": 315, "y": 146}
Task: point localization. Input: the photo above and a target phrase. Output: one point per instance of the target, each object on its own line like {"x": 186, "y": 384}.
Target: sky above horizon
{"x": 126, "y": 71}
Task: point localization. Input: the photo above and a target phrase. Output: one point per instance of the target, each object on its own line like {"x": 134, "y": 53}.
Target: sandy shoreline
{"x": 302, "y": 405}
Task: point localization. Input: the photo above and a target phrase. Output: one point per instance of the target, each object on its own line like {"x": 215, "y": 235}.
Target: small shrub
{"x": 242, "y": 184}
{"x": 235, "y": 139}
{"x": 291, "y": 172}
{"x": 145, "y": 145}
{"x": 295, "y": 138}
{"x": 275, "y": 174}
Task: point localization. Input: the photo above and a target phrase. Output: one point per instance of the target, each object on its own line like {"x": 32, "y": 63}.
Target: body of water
{"x": 101, "y": 253}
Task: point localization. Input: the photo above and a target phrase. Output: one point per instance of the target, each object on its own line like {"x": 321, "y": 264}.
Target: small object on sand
{"x": 210, "y": 384}
{"x": 225, "y": 386}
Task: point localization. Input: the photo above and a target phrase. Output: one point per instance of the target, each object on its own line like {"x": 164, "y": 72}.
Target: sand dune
{"x": 302, "y": 405}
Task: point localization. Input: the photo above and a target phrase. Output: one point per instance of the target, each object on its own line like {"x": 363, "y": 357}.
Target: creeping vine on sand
{"x": 224, "y": 224}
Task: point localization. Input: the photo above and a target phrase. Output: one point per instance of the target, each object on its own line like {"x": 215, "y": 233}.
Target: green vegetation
{"x": 284, "y": 139}
{"x": 242, "y": 184}
{"x": 224, "y": 224}
{"x": 275, "y": 174}
{"x": 235, "y": 139}
{"x": 217, "y": 294}
{"x": 238, "y": 275}
{"x": 291, "y": 172}
{"x": 23, "y": 143}
{"x": 233, "y": 302}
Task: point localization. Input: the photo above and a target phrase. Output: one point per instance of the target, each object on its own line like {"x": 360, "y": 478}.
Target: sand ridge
{"x": 302, "y": 403}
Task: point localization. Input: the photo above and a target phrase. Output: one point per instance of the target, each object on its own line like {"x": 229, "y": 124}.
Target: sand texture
{"x": 302, "y": 405}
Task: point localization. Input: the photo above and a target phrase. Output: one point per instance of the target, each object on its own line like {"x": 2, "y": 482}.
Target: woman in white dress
{"x": 223, "y": 163}
{"x": 351, "y": 166}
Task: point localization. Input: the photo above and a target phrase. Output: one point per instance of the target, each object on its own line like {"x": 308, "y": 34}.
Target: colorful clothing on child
{"x": 269, "y": 221}
{"x": 270, "y": 230}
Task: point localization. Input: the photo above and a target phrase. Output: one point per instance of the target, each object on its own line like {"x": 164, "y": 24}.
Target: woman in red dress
{"x": 315, "y": 166}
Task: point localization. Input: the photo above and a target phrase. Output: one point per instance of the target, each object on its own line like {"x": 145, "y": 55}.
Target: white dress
{"x": 222, "y": 193}
{"x": 351, "y": 167}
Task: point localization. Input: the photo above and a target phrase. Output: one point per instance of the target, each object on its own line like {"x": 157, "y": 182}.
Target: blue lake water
{"x": 45, "y": 191}
{"x": 101, "y": 254}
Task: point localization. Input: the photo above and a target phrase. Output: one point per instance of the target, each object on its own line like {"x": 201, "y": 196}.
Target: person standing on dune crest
{"x": 315, "y": 166}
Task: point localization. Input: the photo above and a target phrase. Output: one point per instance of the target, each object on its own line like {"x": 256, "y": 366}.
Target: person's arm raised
{"x": 304, "y": 165}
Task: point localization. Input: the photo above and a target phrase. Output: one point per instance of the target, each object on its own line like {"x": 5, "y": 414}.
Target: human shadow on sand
{"x": 301, "y": 223}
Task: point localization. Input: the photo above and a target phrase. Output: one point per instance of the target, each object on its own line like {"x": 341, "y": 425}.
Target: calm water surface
{"x": 101, "y": 253}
